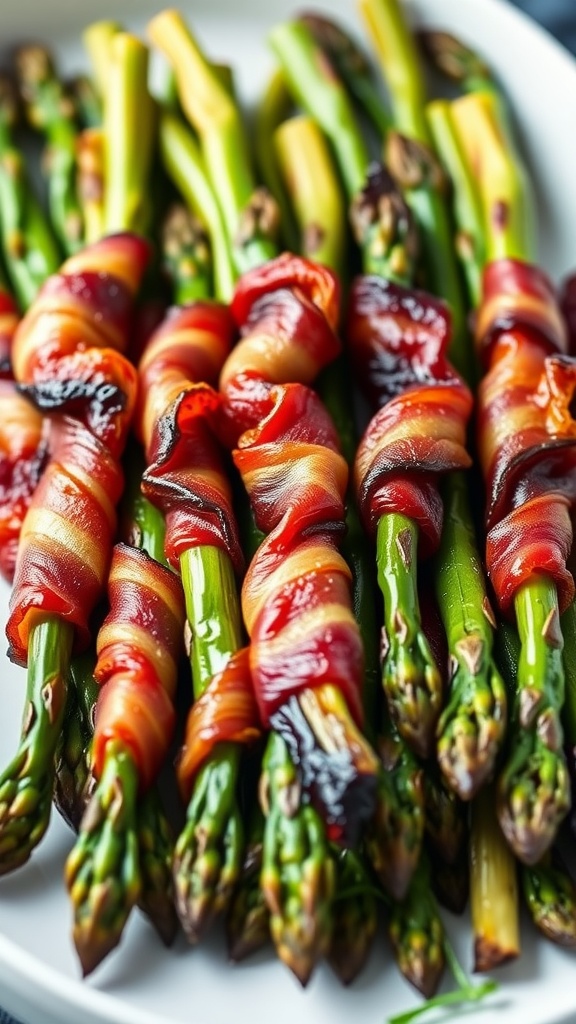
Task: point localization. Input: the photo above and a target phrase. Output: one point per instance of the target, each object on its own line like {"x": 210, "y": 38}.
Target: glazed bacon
{"x": 296, "y": 594}
{"x": 22, "y": 445}
{"x": 399, "y": 339}
{"x": 67, "y": 359}
{"x": 526, "y": 430}
{"x": 177, "y": 420}
{"x": 138, "y": 648}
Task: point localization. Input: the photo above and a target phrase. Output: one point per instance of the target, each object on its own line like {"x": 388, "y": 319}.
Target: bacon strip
{"x": 67, "y": 359}
{"x": 399, "y": 339}
{"x": 178, "y": 420}
{"x": 138, "y": 647}
{"x": 226, "y": 712}
{"x": 22, "y": 445}
{"x": 526, "y": 431}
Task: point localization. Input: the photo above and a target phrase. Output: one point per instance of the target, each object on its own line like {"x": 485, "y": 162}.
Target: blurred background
{"x": 558, "y": 16}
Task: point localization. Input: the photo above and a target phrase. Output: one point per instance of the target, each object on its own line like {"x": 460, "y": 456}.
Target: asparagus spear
{"x": 50, "y": 108}
{"x": 73, "y": 779}
{"x": 30, "y": 250}
{"x": 352, "y": 66}
{"x": 417, "y": 934}
{"x": 123, "y": 854}
{"x": 310, "y": 179}
{"x": 75, "y": 782}
{"x": 248, "y": 917}
{"x": 493, "y": 886}
{"x": 271, "y": 111}
{"x": 102, "y": 871}
{"x": 355, "y": 917}
{"x": 533, "y": 787}
{"x": 550, "y": 896}
{"x": 547, "y": 887}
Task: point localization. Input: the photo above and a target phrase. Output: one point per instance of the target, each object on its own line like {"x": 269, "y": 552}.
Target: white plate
{"x": 141, "y": 983}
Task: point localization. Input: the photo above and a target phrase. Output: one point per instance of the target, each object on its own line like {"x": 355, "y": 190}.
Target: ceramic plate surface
{"x": 142, "y": 983}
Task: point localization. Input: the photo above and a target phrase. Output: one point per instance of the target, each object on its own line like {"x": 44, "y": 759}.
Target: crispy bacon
{"x": 138, "y": 649}
{"x": 226, "y": 712}
{"x": 178, "y": 420}
{"x": 399, "y": 339}
{"x": 67, "y": 358}
{"x": 526, "y": 430}
{"x": 296, "y": 594}
{"x": 67, "y": 348}
{"x": 66, "y": 537}
{"x": 22, "y": 445}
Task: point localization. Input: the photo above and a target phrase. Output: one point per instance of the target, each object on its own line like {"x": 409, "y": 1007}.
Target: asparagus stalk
{"x": 183, "y": 162}
{"x": 74, "y": 780}
{"x": 26, "y": 784}
{"x": 417, "y": 934}
{"x": 352, "y": 65}
{"x": 550, "y": 896}
{"x": 29, "y": 248}
{"x": 533, "y": 787}
{"x": 97, "y": 39}
{"x": 397, "y": 55}
{"x": 355, "y": 918}
{"x": 248, "y": 917}
{"x": 271, "y": 111}
{"x": 249, "y": 218}
{"x": 103, "y": 872}
{"x": 129, "y": 126}
{"x": 50, "y": 108}
{"x": 208, "y": 851}
{"x": 306, "y": 165}
{"x": 493, "y": 886}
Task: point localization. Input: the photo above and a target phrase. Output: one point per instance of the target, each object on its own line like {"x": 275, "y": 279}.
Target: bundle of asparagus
{"x": 364, "y": 789}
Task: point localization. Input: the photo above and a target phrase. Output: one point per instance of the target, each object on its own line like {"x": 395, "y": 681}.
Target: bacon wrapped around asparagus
{"x": 67, "y": 360}
{"x": 186, "y": 477}
{"x": 526, "y": 442}
{"x": 305, "y": 647}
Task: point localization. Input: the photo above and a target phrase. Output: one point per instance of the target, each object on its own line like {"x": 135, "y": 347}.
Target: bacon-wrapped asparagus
{"x": 68, "y": 362}
{"x": 526, "y": 447}
{"x": 68, "y": 530}
{"x": 186, "y": 477}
